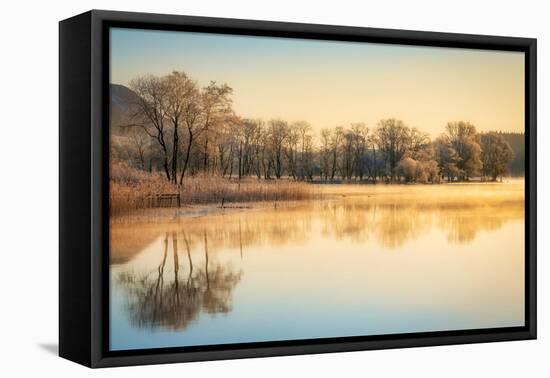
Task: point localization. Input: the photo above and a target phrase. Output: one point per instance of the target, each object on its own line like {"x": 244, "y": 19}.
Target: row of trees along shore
{"x": 173, "y": 126}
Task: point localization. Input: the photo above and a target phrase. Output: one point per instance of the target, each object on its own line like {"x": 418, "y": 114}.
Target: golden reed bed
{"x": 133, "y": 191}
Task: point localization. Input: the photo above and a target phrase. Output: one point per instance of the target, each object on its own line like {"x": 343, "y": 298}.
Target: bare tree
{"x": 277, "y": 134}
{"x": 216, "y": 106}
{"x": 496, "y": 154}
{"x": 148, "y": 111}
{"x": 361, "y": 134}
{"x": 324, "y": 152}
{"x": 463, "y": 138}
{"x": 348, "y": 155}
{"x": 307, "y": 156}
{"x": 335, "y": 145}
{"x": 447, "y": 158}
{"x": 194, "y": 126}
{"x": 180, "y": 93}
{"x": 392, "y": 140}
{"x": 304, "y": 132}
{"x": 291, "y": 149}
{"x": 140, "y": 141}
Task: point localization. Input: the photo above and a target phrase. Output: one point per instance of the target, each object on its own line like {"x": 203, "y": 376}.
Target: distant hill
{"x": 517, "y": 142}
{"x": 121, "y": 98}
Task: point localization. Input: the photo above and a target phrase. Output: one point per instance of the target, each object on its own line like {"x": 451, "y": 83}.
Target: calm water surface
{"x": 368, "y": 260}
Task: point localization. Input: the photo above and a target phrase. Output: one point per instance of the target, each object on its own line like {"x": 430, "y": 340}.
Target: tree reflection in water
{"x": 161, "y": 299}
{"x": 391, "y": 222}
{"x": 170, "y": 271}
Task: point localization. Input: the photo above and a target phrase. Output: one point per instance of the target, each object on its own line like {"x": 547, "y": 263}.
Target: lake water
{"x": 366, "y": 260}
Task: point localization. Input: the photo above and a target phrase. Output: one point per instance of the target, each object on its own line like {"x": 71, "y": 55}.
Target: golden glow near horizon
{"x": 330, "y": 84}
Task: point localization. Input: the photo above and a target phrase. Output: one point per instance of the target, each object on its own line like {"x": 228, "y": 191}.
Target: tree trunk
{"x": 205, "y": 161}
{"x": 166, "y": 167}
{"x": 175, "y": 154}
{"x": 187, "y": 154}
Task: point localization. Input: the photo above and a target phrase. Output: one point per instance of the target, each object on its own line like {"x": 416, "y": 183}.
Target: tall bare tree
{"x": 216, "y": 107}
{"x": 324, "y": 153}
{"x": 148, "y": 111}
{"x": 277, "y": 135}
{"x": 464, "y": 139}
{"x": 393, "y": 141}
{"x": 179, "y": 95}
{"x": 496, "y": 154}
{"x": 335, "y": 144}
{"x": 194, "y": 125}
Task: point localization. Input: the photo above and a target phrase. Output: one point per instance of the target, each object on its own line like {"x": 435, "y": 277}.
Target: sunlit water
{"x": 367, "y": 260}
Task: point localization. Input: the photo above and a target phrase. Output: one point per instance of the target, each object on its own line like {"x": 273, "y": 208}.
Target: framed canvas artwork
{"x": 235, "y": 188}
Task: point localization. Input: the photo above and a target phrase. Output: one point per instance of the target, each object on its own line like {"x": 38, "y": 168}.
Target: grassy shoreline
{"x": 135, "y": 207}
{"x": 134, "y": 191}
{"x": 127, "y": 197}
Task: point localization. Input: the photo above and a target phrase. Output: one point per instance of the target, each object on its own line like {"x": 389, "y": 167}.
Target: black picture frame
{"x": 83, "y": 182}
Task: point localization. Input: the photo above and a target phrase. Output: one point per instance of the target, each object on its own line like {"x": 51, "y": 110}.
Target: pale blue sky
{"x": 331, "y": 83}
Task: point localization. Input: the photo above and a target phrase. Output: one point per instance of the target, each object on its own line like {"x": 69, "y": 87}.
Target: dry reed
{"x": 131, "y": 189}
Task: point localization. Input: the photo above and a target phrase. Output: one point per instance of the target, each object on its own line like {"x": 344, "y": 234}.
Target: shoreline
{"x": 329, "y": 193}
{"x": 202, "y": 210}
